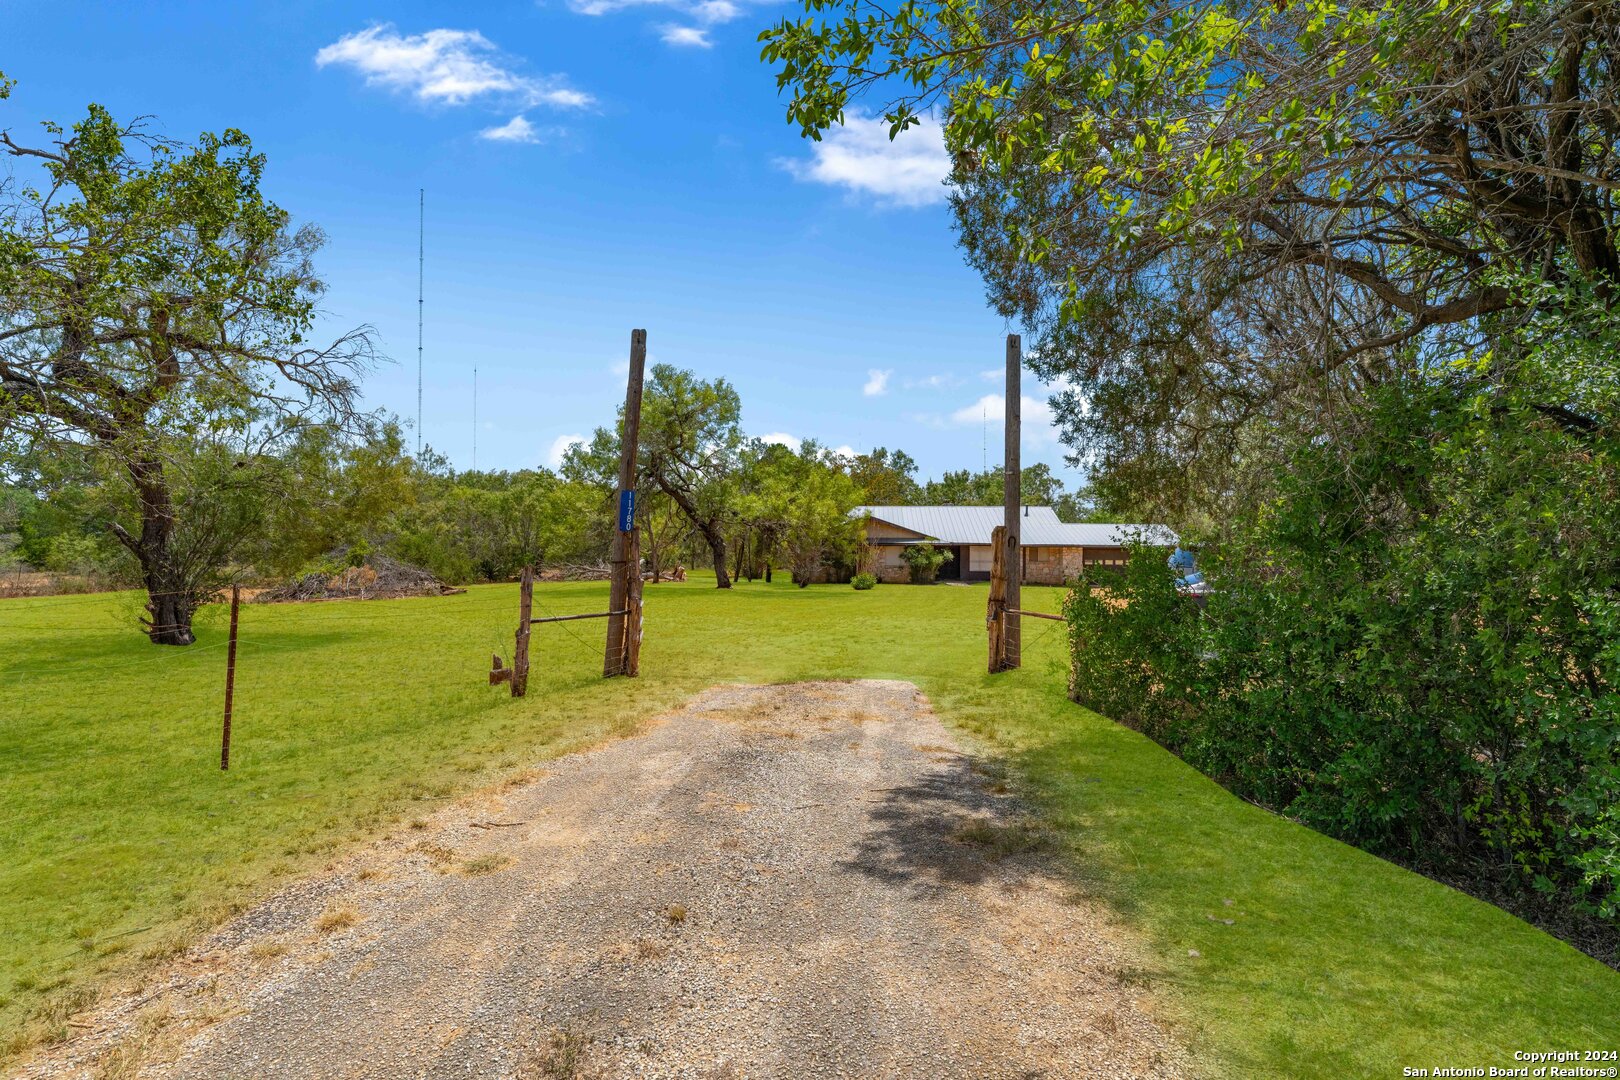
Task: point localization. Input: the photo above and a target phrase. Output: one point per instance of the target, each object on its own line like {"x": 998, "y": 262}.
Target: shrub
{"x": 862, "y": 582}
{"x": 1436, "y": 683}
{"x": 924, "y": 561}
{"x": 359, "y": 552}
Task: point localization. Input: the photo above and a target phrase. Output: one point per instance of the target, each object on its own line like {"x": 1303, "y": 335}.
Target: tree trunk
{"x": 717, "y": 545}
{"x": 707, "y": 527}
{"x": 654, "y": 550}
{"x": 170, "y": 602}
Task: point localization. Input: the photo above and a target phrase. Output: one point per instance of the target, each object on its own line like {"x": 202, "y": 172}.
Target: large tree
{"x": 796, "y": 506}
{"x": 691, "y": 439}
{"x": 153, "y": 299}
{"x": 886, "y": 477}
{"x": 691, "y": 451}
{"x": 962, "y": 487}
{"x": 1227, "y": 216}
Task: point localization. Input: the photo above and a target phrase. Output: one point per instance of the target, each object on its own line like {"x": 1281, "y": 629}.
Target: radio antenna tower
{"x": 475, "y": 418}
{"x": 984, "y": 438}
{"x": 421, "y": 250}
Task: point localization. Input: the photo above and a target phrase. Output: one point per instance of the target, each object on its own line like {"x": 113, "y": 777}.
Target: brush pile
{"x": 377, "y": 578}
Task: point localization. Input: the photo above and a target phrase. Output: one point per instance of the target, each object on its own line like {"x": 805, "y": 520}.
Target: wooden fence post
{"x": 230, "y": 682}
{"x": 1012, "y": 503}
{"x": 615, "y": 657}
{"x": 520, "y": 653}
{"x": 995, "y": 618}
{"x": 632, "y": 619}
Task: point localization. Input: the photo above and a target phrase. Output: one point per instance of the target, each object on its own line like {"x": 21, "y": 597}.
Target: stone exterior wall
{"x": 1062, "y": 565}
{"x": 885, "y": 562}
{"x": 1042, "y": 565}
{"x": 1051, "y": 565}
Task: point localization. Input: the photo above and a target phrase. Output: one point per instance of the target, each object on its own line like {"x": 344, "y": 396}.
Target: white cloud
{"x": 860, "y": 157}
{"x": 1035, "y": 416}
{"x": 933, "y": 382}
{"x": 518, "y": 129}
{"x": 877, "y": 382}
{"x": 709, "y": 12}
{"x": 846, "y": 451}
{"x": 559, "y": 447}
{"x": 687, "y": 37}
{"x": 716, "y": 11}
{"x": 444, "y": 67}
{"x": 782, "y": 438}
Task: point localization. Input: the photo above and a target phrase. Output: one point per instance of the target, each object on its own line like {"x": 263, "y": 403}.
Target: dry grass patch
{"x": 151, "y": 1039}
{"x": 267, "y": 950}
{"x": 485, "y": 864}
{"x": 566, "y": 1055}
{"x": 337, "y": 917}
{"x": 527, "y": 776}
{"x": 437, "y": 854}
{"x": 676, "y": 914}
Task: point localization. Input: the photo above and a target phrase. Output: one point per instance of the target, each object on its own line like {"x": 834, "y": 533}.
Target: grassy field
{"x": 119, "y": 835}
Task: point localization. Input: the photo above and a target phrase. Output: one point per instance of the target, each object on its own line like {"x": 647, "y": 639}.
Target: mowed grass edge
{"x": 1271, "y": 949}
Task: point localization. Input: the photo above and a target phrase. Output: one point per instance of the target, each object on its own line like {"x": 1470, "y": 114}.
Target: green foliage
{"x": 864, "y": 582}
{"x": 489, "y": 532}
{"x": 69, "y": 554}
{"x": 924, "y": 561}
{"x": 1413, "y": 649}
{"x": 798, "y": 504}
{"x": 885, "y": 477}
{"x": 691, "y": 450}
{"x": 1223, "y": 221}
{"x": 1037, "y": 487}
{"x": 331, "y": 490}
{"x": 155, "y": 311}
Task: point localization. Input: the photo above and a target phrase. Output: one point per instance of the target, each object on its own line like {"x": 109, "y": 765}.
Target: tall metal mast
{"x": 421, "y": 233}
{"x": 475, "y": 418}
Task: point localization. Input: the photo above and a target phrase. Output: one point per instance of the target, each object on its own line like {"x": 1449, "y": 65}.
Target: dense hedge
{"x": 1414, "y": 649}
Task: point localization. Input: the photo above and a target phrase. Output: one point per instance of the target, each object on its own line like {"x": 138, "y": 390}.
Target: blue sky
{"x": 590, "y": 166}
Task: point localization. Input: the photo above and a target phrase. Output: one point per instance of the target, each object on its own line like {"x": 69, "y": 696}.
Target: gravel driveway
{"x": 784, "y": 881}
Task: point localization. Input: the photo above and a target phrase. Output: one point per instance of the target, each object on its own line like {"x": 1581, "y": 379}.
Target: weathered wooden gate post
{"x": 622, "y": 655}
{"x": 520, "y": 650}
{"x": 632, "y": 618}
{"x": 995, "y": 618}
{"x": 230, "y": 682}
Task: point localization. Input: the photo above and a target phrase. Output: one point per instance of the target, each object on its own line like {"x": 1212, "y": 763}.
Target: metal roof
{"x": 1039, "y": 526}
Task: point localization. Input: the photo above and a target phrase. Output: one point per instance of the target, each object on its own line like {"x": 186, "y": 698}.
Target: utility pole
{"x": 1007, "y": 559}
{"x": 624, "y": 597}
{"x": 1013, "y": 497}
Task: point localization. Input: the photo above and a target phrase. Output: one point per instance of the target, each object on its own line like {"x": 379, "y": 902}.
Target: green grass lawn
{"x": 119, "y": 835}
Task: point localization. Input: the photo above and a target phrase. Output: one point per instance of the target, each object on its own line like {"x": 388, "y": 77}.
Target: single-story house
{"x": 1054, "y": 551}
